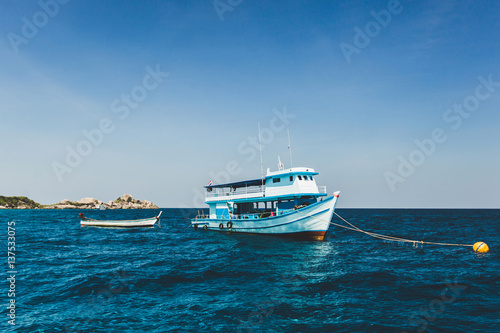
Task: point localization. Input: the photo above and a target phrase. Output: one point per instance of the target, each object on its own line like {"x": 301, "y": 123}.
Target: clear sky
{"x": 395, "y": 104}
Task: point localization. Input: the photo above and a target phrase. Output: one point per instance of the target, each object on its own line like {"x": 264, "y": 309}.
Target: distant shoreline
{"x": 124, "y": 202}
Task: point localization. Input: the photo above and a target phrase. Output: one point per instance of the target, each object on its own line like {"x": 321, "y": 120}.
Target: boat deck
{"x": 254, "y": 192}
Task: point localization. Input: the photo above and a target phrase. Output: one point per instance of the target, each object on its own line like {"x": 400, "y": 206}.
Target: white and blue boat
{"x": 287, "y": 202}
{"x": 148, "y": 222}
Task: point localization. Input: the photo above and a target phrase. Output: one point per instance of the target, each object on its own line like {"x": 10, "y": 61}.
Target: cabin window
{"x": 276, "y": 180}
{"x": 305, "y": 178}
{"x": 291, "y": 178}
{"x": 311, "y": 177}
{"x": 300, "y": 177}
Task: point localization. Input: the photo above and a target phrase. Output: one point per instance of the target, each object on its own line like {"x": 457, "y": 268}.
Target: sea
{"x": 61, "y": 277}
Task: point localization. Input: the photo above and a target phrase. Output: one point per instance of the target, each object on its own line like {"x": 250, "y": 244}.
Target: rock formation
{"x": 128, "y": 202}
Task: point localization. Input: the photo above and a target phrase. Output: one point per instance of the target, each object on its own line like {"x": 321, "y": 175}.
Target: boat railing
{"x": 202, "y": 215}
{"x": 258, "y": 215}
{"x": 230, "y": 192}
{"x": 254, "y": 191}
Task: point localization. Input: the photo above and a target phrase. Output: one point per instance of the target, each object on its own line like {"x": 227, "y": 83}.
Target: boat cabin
{"x": 278, "y": 192}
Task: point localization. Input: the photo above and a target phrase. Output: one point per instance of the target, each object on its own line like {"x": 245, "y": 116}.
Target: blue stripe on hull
{"x": 225, "y": 221}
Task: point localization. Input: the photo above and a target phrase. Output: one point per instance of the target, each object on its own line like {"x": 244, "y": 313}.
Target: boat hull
{"x": 120, "y": 223}
{"x": 311, "y": 222}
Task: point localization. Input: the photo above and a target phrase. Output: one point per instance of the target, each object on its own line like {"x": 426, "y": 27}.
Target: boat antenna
{"x": 261, "y": 163}
{"x": 289, "y": 147}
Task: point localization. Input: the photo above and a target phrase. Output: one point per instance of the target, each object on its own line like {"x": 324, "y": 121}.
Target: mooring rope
{"x": 390, "y": 238}
{"x": 380, "y": 236}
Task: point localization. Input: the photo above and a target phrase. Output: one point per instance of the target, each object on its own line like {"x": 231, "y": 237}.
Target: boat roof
{"x": 259, "y": 181}
{"x": 291, "y": 171}
{"x": 243, "y": 183}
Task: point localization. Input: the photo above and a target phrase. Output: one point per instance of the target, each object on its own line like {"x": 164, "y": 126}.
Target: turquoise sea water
{"x": 176, "y": 279}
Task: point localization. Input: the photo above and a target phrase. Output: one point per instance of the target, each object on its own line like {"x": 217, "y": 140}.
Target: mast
{"x": 261, "y": 163}
{"x": 289, "y": 147}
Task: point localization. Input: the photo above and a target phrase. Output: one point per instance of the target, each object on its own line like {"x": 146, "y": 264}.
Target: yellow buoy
{"x": 480, "y": 247}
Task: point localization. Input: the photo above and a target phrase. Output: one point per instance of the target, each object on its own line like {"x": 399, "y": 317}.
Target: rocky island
{"x": 18, "y": 203}
{"x": 124, "y": 202}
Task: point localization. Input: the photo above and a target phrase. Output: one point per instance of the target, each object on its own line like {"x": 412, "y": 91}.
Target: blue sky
{"x": 176, "y": 90}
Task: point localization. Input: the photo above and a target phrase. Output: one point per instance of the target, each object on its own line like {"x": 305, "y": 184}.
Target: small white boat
{"x": 149, "y": 222}
{"x": 287, "y": 202}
